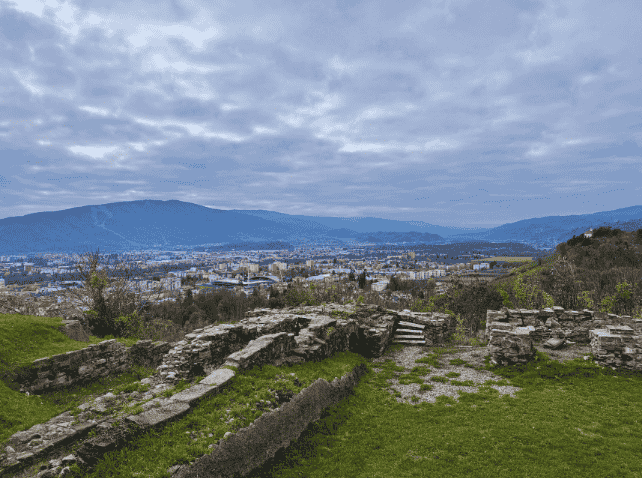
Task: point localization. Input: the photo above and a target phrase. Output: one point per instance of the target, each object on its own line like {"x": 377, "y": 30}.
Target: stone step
{"x": 407, "y": 337}
{"x": 411, "y": 324}
{"x": 409, "y": 341}
{"x": 411, "y": 331}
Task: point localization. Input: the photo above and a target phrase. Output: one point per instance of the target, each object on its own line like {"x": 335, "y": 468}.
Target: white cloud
{"x": 376, "y": 100}
{"x": 95, "y": 152}
{"x": 439, "y": 145}
{"x": 94, "y": 110}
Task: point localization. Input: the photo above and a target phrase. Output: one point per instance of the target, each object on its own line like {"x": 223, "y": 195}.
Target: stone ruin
{"x": 277, "y": 337}
{"x": 616, "y": 341}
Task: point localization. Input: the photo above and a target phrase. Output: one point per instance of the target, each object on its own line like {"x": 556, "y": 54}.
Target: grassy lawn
{"x": 24, "y": 339}
{"x": 572, "y": 419}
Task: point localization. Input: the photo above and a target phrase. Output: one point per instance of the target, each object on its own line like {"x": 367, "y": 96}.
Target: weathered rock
{"x": 554, "y": 343}
{"x": 74, "y": 330}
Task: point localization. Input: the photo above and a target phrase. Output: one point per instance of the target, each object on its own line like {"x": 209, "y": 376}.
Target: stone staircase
{"x": 413, "y": 335}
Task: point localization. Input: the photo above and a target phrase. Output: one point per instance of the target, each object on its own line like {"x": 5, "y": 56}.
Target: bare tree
{"x": 108, "y": 293}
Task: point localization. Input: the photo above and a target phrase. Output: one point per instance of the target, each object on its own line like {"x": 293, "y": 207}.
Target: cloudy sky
{"x": 464, "y": 113}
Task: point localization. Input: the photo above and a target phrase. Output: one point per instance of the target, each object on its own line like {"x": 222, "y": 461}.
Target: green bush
{"x": 439, "y": 379}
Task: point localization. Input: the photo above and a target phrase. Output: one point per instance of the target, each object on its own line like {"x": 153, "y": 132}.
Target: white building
{"x": 380, "y": 285}
{"x": 1, "y": 282}
{"x": 589, "y": 233}
{"x": 276, "y": 266}
{"x": 480, "y": 266}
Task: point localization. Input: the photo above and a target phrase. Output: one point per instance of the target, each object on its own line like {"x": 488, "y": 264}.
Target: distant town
{"x": 173, "y": 271}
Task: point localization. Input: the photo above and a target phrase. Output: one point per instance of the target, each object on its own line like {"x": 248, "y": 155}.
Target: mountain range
{"x": 153, "y": 224}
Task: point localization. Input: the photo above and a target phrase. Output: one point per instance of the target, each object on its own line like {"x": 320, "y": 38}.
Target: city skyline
{"x": 458, "y": 113}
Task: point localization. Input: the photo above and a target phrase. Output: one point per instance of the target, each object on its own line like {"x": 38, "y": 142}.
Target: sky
{"x": 456, "y": 113}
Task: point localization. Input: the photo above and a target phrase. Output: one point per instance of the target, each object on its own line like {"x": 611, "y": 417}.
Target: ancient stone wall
{"x": 206, "y": 349}
{"x": 254, "y": 445}
{"x": 616, "y": 341}
{"x": 617, "y": 346}
{"x": 87, "y": 365}
{"x": 275, "y": 337}
{"x": 555, "y": 322}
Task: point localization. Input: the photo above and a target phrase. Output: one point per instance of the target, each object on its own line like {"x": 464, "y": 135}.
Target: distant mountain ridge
{"x": 150, "y": 224}
{"x": 551, "y": 230}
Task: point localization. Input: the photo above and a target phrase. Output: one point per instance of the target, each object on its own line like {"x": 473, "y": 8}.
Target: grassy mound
{"x": 24, "y": 339}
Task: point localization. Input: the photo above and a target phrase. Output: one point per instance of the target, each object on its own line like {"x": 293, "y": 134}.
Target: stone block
{"x": 74, "y": 330}
{"x": 156, "y": 417}
{"x": 546, "y": 312}
{"x": 219, "y": 377}
{"x": 195, "y": 394}
{"x": 494, "y": 316}
{"x": 619, "y": 329}
{"x": 554, "y": 343}
{"x": 499, "y": 326}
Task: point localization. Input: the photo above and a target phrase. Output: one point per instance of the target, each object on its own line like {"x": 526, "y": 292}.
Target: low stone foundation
{"x": 266, "y": 337}
{"x": 254, "y": 445}
{"x": 555, "y": 322}
{"x": 86, "y": 365}
{"x": 616, "y": 341}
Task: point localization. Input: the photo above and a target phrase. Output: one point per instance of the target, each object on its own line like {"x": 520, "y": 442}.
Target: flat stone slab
{"x": 218, "y": 377}
{"x": 195, "y": 394}
{"x": 159, "y": 416}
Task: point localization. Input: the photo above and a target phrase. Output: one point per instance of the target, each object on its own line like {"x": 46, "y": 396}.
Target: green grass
{"x": 187, "y": 439}
{"x": 569, "y": 419}
{"x": 24, "y": 339}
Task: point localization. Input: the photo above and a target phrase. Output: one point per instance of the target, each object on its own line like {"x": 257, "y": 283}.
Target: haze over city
{"x": 456, "y": 113}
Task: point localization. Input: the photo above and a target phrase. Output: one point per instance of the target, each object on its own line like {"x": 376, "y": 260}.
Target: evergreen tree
{"x": 362, "y": 280}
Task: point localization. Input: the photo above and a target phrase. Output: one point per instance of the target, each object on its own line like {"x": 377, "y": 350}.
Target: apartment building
{"x": 380, "y": 285}
{"x": 277, "y": 266}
